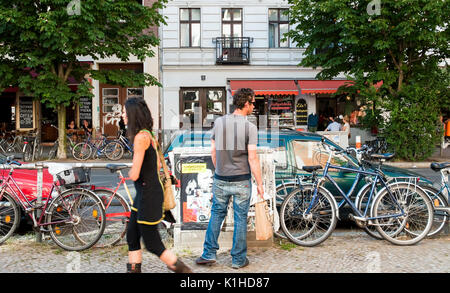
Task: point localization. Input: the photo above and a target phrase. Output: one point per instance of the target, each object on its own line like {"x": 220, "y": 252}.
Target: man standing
{"x": 233, "y": 152}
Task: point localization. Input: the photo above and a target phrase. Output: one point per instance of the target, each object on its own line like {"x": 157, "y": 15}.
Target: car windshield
{"x": 309, "y": 153}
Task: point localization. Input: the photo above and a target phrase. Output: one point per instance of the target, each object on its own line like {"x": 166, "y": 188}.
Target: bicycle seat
{"x": 386, "y": 156}
{"x": 311, "y": 168}
{"x": 439, "y": 166}
{"x": 115, "y": 167}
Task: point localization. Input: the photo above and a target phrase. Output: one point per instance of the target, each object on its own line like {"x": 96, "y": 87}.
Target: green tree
{"x": 41, "y": 42}
{"x": 399, "y": 42}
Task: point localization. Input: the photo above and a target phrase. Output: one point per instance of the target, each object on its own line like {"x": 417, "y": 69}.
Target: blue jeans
{"x": 222, "y": 192}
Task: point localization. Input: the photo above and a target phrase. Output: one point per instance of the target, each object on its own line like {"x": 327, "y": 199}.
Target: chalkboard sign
{"x": 86, "y": 110}
{"x": 26, "y": 112}
{"x": 301, "y": 110}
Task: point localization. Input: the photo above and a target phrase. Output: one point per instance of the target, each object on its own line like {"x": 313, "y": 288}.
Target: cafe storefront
{"x": 288, "y": 103}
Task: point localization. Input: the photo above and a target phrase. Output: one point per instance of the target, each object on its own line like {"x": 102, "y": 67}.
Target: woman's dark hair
{"x": 242, "y": 96}
{"x": 139, "y": 116}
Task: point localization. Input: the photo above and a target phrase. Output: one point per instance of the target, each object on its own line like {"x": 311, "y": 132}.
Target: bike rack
{"x": 39, "y": 166}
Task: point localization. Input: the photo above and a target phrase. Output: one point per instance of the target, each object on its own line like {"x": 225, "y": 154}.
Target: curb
{"x": 412, "y": 165}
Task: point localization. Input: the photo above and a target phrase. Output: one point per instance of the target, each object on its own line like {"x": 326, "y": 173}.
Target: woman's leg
{"x": 133, "y": 240}
{"x": 153, "y": 243}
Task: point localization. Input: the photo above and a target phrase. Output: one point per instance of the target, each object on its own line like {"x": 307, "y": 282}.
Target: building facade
{"x": 211, "y": 48}
{"x": 23, "y": 113}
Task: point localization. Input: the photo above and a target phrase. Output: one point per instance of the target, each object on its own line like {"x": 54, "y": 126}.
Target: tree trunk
{"x": 61, "y": 132}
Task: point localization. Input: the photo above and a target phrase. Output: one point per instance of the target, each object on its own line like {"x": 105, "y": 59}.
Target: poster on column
{"x": 196, "y": 176}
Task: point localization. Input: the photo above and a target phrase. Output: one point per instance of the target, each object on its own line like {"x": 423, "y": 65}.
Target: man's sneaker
{"x": 246, "y": 263}
{"x": 202, "y": 261}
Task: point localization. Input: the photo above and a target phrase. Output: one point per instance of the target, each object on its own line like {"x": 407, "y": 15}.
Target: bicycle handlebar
{"x": 10, "y": 161}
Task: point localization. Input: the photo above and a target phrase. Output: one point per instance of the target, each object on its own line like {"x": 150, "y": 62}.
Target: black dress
{"x": 149, "y": 199}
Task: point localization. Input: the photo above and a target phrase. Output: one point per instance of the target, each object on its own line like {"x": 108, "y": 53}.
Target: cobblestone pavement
{"x": 346, "y": 251}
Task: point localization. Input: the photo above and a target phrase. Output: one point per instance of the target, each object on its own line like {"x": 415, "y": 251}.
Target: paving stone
{"x": 346, "y": 251}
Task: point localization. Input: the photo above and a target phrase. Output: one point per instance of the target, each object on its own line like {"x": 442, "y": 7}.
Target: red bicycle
{"x": 74, "y": 218}
{"x": 117, "y": 209}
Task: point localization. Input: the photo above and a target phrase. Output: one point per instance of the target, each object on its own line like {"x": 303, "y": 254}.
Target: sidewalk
{"x": 346, "y": 251}
{"x": 436, "y": 157}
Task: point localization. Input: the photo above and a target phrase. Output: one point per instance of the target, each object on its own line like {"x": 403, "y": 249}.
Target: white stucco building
{"x": 211, "y": 48}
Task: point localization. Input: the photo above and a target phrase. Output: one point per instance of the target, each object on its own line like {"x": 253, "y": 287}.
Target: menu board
{"x": 85, "y": 109}
{"x": 301, "y": 111}
{"x": 26, "y": 112}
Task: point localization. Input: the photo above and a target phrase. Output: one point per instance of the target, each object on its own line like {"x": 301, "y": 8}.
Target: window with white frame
{"x": 278, "y": 26}
{"x": 110, "y": 98}
{"x": 190, "y": 27}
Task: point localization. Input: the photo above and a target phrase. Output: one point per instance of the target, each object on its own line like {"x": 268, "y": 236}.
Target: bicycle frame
{"x": 122, "y": 181}
{"x": 126, "y": 143}
{"x": 22, "y": 200}
{"x": 444, "y": 184}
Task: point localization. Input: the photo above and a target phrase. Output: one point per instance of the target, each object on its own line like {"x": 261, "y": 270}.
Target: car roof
{"x": 281, "y": 131}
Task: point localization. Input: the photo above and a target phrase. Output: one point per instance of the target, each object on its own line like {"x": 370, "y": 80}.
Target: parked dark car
{"x": 293, "y": 150}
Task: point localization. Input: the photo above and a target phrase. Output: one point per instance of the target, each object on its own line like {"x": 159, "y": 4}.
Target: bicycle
{"x": 309, "y": 214}
{"x": 377, "y": 146}
{"x": 31, "y": 146}
{"x": 437, "y": 199}
{"x": 84, "y": 150}
{"x": 8, "y": 146}
{"x": 118, "y": 210}
{"x": 125, "y": 144}
{"x": 74, "y": 218}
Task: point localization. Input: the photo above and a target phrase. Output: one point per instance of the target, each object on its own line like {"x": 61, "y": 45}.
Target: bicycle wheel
{"x": 82, "y": 151}
{"x": 28, "y": 153}
{"x": 313, "y": 228}
{"x": 114, "y": 150}
{"x": 282, "y": 192}
{"x": 117, "y": 217}
{"x": 413, "y": 225}
{"x": 361, "y": 205}
{"x": 9, "y": 217}
{"x": 440, "y": 218}
{"x": 78, "y": 219}
{"x": 39, "y": 153}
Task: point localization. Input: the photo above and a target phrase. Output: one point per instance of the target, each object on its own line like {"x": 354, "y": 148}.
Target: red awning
{"x": 321, "y": 86}
{"x": 266, "y": 87}
{"x": 11, "y": 90}
{"x": 326, "y": 86}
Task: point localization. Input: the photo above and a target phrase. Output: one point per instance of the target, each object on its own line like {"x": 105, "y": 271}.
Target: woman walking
{"x": 147, "y": 210}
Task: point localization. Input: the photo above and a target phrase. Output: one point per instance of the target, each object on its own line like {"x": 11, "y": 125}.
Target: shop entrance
{"x": 113, "y": 97}
{"x": 7, "y": 112}
{"x": 49, "y": 121}
{"x": 326, "y": 107}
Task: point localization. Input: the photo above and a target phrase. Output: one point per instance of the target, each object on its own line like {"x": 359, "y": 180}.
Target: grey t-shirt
{"x": 232, "y": 135}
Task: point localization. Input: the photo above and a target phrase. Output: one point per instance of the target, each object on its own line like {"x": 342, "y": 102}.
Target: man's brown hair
{"x": 242, "y": 96}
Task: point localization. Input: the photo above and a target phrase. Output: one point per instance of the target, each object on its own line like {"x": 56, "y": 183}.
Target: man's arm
{"x": 255, "y": 167}
{"x": 213, "y": 152}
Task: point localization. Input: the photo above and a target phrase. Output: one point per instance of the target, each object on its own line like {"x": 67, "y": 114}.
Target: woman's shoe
{"x": 180, "y": 267}
{"x": 133, "y": 268}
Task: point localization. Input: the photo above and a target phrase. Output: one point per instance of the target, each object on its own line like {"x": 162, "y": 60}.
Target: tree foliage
{"x": 41, "y": 43}
{"x": 403, "y": 43}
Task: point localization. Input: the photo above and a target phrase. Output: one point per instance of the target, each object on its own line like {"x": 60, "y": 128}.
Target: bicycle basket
{"x": 74, "y": 176}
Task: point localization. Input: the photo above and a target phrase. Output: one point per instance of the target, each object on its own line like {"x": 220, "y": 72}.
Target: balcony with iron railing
{"x": 233, "y": 50}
